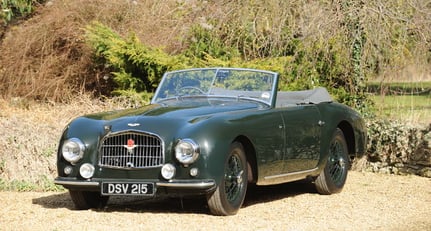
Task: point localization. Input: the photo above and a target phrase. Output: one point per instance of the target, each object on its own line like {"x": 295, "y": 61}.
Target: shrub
{"x": 394, "y": 146}
{"x": 338, "y": 44}
{"x": 138, "y": 68}
{"x": 134, "y": 66}
{"x": 11, "y": 9}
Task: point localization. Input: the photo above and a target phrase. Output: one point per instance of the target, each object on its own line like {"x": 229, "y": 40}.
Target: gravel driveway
{"x": 368, "y": 202}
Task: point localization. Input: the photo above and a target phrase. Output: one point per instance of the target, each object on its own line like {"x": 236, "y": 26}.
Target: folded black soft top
{"x": 313, "y": 96}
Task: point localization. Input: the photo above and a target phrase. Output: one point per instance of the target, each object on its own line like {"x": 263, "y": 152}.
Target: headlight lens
{"x": 187, "y": 151}
{"x": 73, "y": 150}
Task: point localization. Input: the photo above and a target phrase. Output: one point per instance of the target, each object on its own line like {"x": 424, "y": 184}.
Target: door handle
{"x": 321, "y": 123}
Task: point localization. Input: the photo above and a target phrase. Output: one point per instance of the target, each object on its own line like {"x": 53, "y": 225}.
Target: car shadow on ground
{"x": 59, "y": 200}
{"x": 264, "y": 194}
{"x": 255, "y": 195}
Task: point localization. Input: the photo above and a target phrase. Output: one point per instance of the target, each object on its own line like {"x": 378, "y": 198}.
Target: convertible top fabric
{"x": 314, "y": 96}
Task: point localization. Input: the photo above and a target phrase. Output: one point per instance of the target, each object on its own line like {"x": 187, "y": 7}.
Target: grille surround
{"x": 145, "y": 150}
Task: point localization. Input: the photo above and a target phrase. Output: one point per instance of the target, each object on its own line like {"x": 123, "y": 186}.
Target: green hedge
{"x": 138, "y": 68}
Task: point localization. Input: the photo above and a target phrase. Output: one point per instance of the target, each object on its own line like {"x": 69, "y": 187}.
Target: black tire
{"x": 88, "y": 200}
{"x": 333, "y": 176}
{"x": 230, "y": 193}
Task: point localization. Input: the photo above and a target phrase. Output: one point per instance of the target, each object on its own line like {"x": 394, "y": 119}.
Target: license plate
{"x": 139, "y": 189}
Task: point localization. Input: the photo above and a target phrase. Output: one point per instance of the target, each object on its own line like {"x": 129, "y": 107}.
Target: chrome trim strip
{"x": 76, "y": 183}
{"x": 188, "y": 184}
{"x": 290, "y": 174}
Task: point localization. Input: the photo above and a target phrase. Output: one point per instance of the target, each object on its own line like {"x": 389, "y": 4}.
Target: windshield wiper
{"x": 247, "y": 97}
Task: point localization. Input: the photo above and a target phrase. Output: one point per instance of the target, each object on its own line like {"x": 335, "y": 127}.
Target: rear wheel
{"x": 230, "y": 193}
{"x": 88, "y": 200}
{"x": 333, "y": 177}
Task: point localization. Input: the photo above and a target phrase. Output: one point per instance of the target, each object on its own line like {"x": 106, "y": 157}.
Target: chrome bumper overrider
{"x": 184, "y": 184}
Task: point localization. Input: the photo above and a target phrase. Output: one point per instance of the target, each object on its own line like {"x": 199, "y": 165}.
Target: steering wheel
{"x": 190, "y": 88}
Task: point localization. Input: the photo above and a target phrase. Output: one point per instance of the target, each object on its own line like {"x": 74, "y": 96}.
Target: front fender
{"x": 214, "y": 142}
{"x": 349, "y": 121}
{"x": 89, "y": 132}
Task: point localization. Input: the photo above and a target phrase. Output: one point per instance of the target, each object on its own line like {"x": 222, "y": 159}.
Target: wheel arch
{"x": 250, "y": 154}
{"x": 349, "y": 136}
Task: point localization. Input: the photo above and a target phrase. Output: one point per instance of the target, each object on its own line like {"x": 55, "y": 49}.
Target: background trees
{"x": 339, "y": 44}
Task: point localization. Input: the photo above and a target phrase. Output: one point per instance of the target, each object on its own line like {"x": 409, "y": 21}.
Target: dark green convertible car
{"x": 210, "y": 132}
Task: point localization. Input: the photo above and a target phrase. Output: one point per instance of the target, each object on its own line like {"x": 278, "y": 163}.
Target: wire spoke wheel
{"x": 337, "y": 162}
{"x": 230, "y": 192}
{"x": 233, "y": 178}
{"x": 333, "y": 177}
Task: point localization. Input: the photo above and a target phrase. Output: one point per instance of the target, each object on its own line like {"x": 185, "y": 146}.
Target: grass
{"x": 405, "y": 101}
{"x": 409, "y": 108}
{"x": 44, "y": 184}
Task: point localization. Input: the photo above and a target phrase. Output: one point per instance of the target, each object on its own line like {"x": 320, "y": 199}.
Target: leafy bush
{"x": 138, "y": 68}
{"x": 338, "y": 44}
{"x": 134, "y": 66}
{"x": 11, "y": 9}
{"x": 398, "y": 145}
{"x": 202, "y": 42}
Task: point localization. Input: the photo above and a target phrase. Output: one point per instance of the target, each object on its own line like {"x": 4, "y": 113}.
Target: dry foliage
{"x": 42, "y": 65}
{"x": 45, "y": 57}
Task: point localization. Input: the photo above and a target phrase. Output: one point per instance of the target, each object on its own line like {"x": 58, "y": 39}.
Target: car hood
{"x": 181, "y": 109}
{"x": 169, "y": 116}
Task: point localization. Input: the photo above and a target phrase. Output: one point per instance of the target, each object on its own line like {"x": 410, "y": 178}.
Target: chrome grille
{"x": 131, "y": 150}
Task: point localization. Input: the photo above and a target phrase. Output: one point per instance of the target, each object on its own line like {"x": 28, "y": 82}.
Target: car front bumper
{"x": 197, "y": 186}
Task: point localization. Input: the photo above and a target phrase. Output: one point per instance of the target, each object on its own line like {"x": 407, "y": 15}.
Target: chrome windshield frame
{"x": 270, "y": 100}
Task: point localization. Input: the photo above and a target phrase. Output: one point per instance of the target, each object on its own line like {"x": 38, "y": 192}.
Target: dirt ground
{"x": 368, "y": 202}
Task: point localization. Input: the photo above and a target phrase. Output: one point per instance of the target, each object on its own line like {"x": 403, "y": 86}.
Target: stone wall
{"x": 396, "y": 148}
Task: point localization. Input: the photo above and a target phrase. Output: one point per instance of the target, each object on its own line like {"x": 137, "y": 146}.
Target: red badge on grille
{"x": 130, "y": 146}
{"x": 130, "y": 143}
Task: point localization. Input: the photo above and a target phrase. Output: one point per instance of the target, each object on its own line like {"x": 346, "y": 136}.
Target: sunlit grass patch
{"x": 44, "y": 184}
{"x": 409, "y": 108}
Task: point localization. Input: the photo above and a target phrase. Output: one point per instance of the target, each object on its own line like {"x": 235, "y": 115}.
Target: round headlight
{"x": 73, "y": 150}
{"x": 187, "y": 151}
{"x": 86, "y": 170}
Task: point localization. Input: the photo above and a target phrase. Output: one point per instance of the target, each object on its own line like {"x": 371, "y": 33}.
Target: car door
{"x": 265, "y": 126}
{"x": 302, "y": 129}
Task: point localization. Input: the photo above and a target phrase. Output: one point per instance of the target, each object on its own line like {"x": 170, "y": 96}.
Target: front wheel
{"x": 88, "y": 200}
{"x": 230, "y": 192}
{"x": 333, "y": 177}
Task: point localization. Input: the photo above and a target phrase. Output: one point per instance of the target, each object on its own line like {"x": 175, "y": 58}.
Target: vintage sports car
{"x": 210, "y": 131}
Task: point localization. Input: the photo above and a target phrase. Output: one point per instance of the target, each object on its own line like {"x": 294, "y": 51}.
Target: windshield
{"x": 217, "y": 82}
